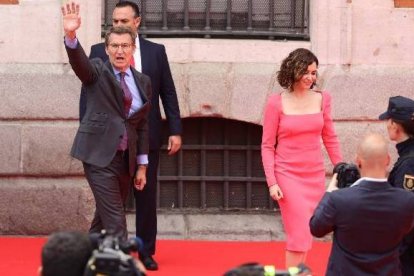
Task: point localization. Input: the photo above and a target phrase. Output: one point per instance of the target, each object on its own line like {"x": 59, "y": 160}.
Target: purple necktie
{"x": 127, "y": 105}
{"x": 127, "y": 94}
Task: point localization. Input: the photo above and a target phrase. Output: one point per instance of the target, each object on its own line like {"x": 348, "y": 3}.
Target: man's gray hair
{"x": 120, "y": 30}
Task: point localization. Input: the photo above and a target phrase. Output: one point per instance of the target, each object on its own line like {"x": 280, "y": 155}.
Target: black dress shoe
{"x": 149, "y": 263}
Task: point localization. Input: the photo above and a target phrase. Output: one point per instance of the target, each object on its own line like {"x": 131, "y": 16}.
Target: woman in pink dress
{"x": 295, "y": 121}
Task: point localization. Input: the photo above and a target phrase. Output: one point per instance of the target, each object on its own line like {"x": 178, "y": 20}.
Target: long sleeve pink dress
{"x": 292, "y": 158}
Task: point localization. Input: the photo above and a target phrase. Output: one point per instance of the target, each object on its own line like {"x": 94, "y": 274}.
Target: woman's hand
{"x": 275, "y": 192}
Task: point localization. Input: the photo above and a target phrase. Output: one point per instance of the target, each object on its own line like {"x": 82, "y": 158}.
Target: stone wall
{"x": 41, "y": 185}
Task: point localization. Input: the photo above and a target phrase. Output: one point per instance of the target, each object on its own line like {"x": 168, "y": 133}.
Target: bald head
{"x": 373, "y": 156}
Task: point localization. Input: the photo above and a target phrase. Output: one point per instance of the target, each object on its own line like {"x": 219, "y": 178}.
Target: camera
{"x": 348, "y": 173}
{"x": 111, "y": 256}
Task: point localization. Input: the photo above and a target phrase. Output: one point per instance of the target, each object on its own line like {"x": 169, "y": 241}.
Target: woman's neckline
{"x": 300, "y": 114}
{"x": 304, "y": 114}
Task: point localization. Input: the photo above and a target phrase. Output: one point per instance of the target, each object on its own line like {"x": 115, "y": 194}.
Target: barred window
{"x": 218, "y": 166}
{"x": 288, "y": 19}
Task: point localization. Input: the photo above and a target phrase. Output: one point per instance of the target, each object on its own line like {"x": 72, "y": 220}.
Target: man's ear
{"x": 137, "y": 22}
{"x": 358, "y": 161}
{"x": 396, "y": 126}
{"x": 40, "y": 270}
{"x": 388, "y": 160}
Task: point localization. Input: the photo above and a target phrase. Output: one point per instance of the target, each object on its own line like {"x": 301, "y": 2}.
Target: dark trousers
{"x": 110, "y": 187}
{"x": 146, "y": 206}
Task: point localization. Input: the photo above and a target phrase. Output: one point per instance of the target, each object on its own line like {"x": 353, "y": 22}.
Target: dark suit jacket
{"x": 155, "y": 65}
{"x": 369, "y": 221}
{"x": 104, "y": 121}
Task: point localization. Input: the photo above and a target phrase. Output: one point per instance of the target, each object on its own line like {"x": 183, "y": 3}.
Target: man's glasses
{"x": 124, "y": 47}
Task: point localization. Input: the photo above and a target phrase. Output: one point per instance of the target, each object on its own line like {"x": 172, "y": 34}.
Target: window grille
{"x": 218, "y": 166}
{"x": 281, "y": 19}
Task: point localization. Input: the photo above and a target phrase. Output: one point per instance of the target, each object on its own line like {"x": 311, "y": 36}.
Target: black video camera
{"x": 348, "y": 173}
{"x": 111, "y": 257}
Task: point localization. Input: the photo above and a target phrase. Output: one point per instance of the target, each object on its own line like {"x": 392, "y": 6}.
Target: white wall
{"x": 356, "y": 32}
{"x": 31, "y": 32}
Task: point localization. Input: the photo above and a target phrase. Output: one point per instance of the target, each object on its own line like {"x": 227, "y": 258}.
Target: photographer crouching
{"x": 65, "y": 254}
{"x": 79, "y": 254}
{"x": 368, "y": 219}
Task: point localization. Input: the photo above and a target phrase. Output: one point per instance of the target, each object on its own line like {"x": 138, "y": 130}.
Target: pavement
{"x": 216, "y": 225}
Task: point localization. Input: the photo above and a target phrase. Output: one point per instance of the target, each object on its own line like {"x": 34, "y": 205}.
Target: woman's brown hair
{"x": 295, "y": 66}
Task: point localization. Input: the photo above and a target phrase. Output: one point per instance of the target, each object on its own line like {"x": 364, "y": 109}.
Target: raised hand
{"x": 71, "y": 18}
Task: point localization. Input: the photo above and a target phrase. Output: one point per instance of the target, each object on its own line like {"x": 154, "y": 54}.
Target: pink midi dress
{"x": 292, "y": 158}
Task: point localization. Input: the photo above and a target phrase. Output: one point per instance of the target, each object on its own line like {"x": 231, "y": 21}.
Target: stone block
{"x": 193, "y": 50}
{"x": 40, "y": 206}
{"x": 245, "y": 226}
{"x": 180, "y": 76}
{"x": 39, "y": 92}
{"x": 22, "y": 41}
{"x": 382, "y": 41}
{"x": 362, "y": 92}
{"x": 230, "y": 90}
{"x": 350, "y": 134}
{"x": 208, "y": 89}
{"x": 46, "y": 149}
{"x": 242, "y": 50}
{"x": 235, "y": 227}
{"x": 10, "y": 147}
{"x": 251, "y": 87}
{"x": 172, "y": 226}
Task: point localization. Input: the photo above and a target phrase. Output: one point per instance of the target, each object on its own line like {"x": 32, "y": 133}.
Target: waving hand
{"x": 71, "y": 18}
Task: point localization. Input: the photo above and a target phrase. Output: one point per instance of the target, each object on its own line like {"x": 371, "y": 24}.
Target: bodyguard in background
{"x": 112, "y": 139}
{"x": 368, "y": 220}
{"x": 151, "y": 59}
{"x": 400, "y": 127}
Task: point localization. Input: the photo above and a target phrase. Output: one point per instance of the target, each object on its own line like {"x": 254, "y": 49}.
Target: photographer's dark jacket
{"x": 369, "y": 221}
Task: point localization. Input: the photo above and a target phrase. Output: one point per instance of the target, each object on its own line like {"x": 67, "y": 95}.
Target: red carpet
{"x": 21, "y": 256}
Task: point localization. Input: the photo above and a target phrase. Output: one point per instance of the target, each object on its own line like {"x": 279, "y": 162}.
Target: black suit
{"x": 154, "y": 64}
{"x": 369, "y": 221}
{"x": 108, "y": 171}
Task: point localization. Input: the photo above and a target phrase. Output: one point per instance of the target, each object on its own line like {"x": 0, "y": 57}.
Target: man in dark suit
{"x": 151, "y": 59}
{"x": 369, "y": 219}
{"x": 112, "y": 139}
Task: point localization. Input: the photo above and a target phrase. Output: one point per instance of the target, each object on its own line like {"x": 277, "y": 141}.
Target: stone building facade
{"x": 364, "y": 47}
